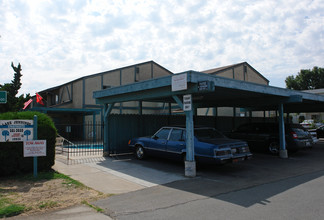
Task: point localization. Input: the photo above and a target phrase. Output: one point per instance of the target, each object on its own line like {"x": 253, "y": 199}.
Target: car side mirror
{"x": 155, "y": 137}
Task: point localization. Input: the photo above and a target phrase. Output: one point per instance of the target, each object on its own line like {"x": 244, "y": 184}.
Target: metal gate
{"x": 79, "y": 143}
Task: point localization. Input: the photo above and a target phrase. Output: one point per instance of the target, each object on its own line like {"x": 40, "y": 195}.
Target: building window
{"x": 137, "y": 70}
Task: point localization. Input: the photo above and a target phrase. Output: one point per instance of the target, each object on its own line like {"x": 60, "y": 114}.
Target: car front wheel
{"x": 274, "y": 147}
{"x": 139, "y": 152}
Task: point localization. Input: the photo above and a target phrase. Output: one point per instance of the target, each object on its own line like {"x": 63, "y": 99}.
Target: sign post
{"x": 35, "y": 138}
{"x": 35, "y": 148}
{"x": 3, "y": 97}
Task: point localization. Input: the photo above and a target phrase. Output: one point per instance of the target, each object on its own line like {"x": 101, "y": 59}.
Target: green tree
{"x": 14, "y": 103}
{"x": 306, "y": 79}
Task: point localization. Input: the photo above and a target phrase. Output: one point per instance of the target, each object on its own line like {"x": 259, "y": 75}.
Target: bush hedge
{"x": 12, "y": 160}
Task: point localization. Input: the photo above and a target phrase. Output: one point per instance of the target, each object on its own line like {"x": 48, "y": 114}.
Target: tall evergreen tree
{"x": 14, "y": 103}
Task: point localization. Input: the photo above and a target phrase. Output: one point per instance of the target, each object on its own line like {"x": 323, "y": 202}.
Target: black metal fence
{"x": 84, "y": 142}
{"x": 124, "y": 127}
{"x": 79, "y": 143}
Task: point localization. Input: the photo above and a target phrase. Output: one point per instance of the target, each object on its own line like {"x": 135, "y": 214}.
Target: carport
{"x": 192, "y": 90}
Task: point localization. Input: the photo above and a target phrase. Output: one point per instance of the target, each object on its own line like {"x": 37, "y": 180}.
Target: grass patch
{"x": 98, "y": 209}
{"x": 48, "y": 204}
{"x": 7, "y": 208}
{"x": 51, "y": 175}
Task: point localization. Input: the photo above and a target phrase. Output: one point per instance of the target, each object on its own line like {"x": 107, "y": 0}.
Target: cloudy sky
{"x": 59, "y": 41}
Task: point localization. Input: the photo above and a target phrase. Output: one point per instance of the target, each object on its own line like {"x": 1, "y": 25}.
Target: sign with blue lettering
{"x": 16, "y": 130}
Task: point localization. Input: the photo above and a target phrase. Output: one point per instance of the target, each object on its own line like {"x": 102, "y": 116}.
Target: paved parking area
{"x": 266, "y": 187}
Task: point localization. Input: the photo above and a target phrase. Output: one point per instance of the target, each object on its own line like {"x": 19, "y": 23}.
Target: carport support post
{"x": 190, "y": 163}
{"x": 283, "y": 151}
{"x": 107, "y": 110}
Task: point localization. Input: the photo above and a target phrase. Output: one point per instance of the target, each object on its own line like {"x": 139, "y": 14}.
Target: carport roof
{"x": 66, "y": 110}
{"x": 222, "y": 92}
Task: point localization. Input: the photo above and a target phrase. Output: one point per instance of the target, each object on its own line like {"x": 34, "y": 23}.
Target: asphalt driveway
{"x": 266, "y": 187}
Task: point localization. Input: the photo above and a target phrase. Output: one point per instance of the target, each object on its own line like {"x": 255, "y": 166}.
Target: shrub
{"x": 12, "y": 159}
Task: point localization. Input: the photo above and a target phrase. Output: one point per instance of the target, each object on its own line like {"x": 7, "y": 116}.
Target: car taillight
{"x": 294, "y": 135}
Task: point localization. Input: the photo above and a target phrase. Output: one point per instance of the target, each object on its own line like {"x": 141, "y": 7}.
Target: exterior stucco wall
{"x": 111, "y": 79}
{"x": 254, "y": 77}
{"x": 159, "y": 71}
{"x": 77, "y": 94}
{"x": 145, "y": 72}
{"x": 91, "y": 84}
{"x": 239, "y": 73}
{"x": 65, "y": 93}
{"x": 128, "y": 75}
{"x": 225, "y": 111}
{"x": 227, "y": 74}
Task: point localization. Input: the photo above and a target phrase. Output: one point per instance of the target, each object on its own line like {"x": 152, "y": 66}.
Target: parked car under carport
{"x": 265, "y": 137}
{"x": 319, "y": 131}
{"x": 211, "y": 146}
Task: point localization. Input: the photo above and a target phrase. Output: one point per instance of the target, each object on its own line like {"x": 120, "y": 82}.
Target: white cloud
{"x": 59, "y": 41}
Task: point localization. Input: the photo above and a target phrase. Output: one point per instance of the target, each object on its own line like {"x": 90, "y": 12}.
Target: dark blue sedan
{"x": 211, "y": 146}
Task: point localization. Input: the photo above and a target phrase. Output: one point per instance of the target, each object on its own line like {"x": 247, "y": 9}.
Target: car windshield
{"x": 208, "y": 133}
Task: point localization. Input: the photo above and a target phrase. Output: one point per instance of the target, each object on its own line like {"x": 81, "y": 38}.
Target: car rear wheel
{"x": 274, "y": 147}
{"x": 139, "y": 152}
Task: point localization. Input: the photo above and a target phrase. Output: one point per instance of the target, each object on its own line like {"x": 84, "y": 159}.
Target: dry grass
{"x": 42, "y": 195}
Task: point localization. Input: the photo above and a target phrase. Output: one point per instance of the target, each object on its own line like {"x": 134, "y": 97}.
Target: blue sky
{"x": 59, "y": 41}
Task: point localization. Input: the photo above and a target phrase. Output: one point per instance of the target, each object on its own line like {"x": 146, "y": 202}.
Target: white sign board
{"x": 16, "y": 130}
{"x": 179, "y": 82}
{"x": 187, "y": 102}
{"x": 35, "y": 148}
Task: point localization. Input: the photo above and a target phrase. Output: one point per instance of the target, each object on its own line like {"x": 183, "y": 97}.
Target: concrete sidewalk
{"x": 109, "y": 176}
{"x": 116, "y": 175}
{"x": 91, "y": 175}
{"x": 81, "y": 212}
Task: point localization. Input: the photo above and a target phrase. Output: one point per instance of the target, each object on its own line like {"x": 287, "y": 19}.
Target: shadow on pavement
{"x": 245, "y": 184}
{"x": 253, "y": 182}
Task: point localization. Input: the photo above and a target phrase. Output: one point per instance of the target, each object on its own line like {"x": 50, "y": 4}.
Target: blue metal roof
{"x": 224, "y": 92}
{"x": 67, "y": 110}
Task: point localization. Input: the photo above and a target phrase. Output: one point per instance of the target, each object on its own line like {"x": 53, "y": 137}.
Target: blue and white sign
{"x": 16, "y": 130}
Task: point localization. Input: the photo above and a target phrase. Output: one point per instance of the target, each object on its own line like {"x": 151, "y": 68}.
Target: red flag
{"x": 39, "y": 99}
{"x": 27, "y": 103}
